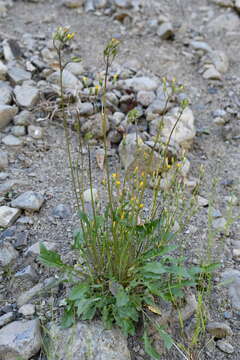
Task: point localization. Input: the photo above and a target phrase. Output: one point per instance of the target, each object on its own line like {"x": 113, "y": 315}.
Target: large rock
{"x": 20, "y": 340}
{"x": 70, "y": 81}
{"x": 29, "y": 200}
{"x": 88, "y": 341}
{"x": 135, "y": 154}
{"x": 11, "y": 140}
{"x": 184, "y": 131}
{"x": 139, "y": 84}
{"x": 26, "y": 96}
{"x": 3, "y": 71}
{"x": 7, "y": 113}
{"x": 220, "y": 61}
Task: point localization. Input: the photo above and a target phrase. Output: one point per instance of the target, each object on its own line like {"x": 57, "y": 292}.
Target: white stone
{"x": 20, "y": 339}
{"x": 36, "y": 132}
{"x": 8, "y": 215}
{"x": 5, "y": 93}
{"x": 27, "y": 309}
{"x": 6, "y": 318}
{"x": 139, "y": 83}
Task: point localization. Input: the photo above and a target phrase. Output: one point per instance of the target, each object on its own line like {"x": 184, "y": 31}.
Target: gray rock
{"x": 114, "y": 136}
{"x": 100, "y": 4}
{"x": 231, "y": 278}
{"x": 29, "y": 200}
{"x": 165, "y": 31}
{"x": 159, "y": 106}
{"x": 139, "y": 83}
{"x": 236, "y": 254}
{"x": 28, "y": 273}
{"x": 89, "y": 5}
{"x": 184, "y": 131}
{"x": 7, "y": 113}
{"x": 220, "y": 61}
{"x": 117, "y": 118}
{"x": 86, "y": 109}
{"x": 225, "y": 347}
{"x": 18, "y": 130}
{"x": 122, "y": 4}
{"x": 88, "y": 340}
{"x": 6, "y": 318}
{"x": 135, "y": 154}
{"x": 11, "y": 49}
{"x": 94, "y": 127}
{"x": 5, "y": 93}
{"x": 145, "y": 98}
{"x": 28, "y": 295}
{"x": 75, "y": 68}
{"x": 70, "y": 81}
{"x": 27, "y": 310}
{"x": 7, "y": 186}
{"x": 17, "y": 75}
{"x": 8, "y": 215}
{"x": 11, "y": 140}
{"x": 26, "y": 96}
{"x": 200, "y": 45}
{"x": 36, "y": 132}
{"x": 212, "y": 74}
{"x": 3, "y": 71}
{"x": 7, "y": 254}
{"x": 61, "y": 211}
{"x": 34, "y": 250}
{"x": 24, "y": 118}
{"x": 219, "y": 330}
{"x": 3, "y": 160}
{"x": 20, "y": 339}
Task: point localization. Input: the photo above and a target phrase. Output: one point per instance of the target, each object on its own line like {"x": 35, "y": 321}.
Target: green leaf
{"x": 76, "y": 59}
{"x": 83, "y": 217}
{"x": 50, "y": 258}
{"x": 167, "y": 339}
{"x": 78, "y": 239}
{"x": 149, "y": 348}
{"x": 210, "y": 268}
{"x": 122, "y": 298}
{"x": 155, "y": 268}
{"x": 79, "y": 291}
{"x": 67, "y": 319}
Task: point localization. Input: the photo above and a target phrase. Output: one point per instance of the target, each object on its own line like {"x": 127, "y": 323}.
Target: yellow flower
{"x": 143, "y": 173}
{"x": 133, "y": 198}
{"x": 141, "y": 206}
{"x": 122, "y": 216}
{"x": 118, "y": 183}
{"x": 141, "y": 183}
{"x": 179, "y": 165}
{"x": 114, "y": 175}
